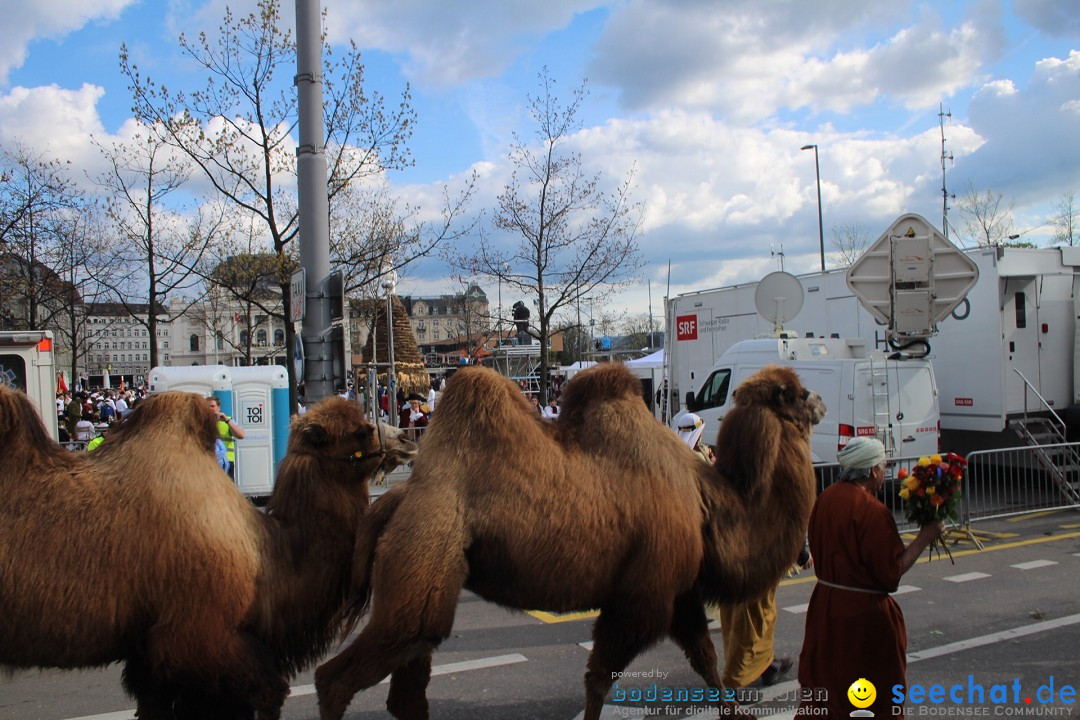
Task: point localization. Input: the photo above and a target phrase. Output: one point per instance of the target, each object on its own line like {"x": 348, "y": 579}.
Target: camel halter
{"x": 361, "y": 455}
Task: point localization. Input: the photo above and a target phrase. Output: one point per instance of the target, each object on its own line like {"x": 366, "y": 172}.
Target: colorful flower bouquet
{"x": 930, "y": 491}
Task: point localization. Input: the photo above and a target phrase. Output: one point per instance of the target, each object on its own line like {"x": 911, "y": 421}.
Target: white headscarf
{"x": 861, "y": 453}
{"x": 690, "y": 427}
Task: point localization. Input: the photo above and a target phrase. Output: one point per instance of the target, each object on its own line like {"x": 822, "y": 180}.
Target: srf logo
{"x": 686, "y": 327}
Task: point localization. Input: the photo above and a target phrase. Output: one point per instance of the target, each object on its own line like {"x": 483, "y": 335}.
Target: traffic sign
{"x": 297, "y": 295}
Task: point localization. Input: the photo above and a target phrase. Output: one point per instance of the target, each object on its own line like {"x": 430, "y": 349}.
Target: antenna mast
{"x": 778, "y": 255}
{"x": 944, "y": 156}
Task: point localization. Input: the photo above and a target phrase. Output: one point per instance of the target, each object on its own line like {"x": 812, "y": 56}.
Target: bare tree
{"x": 245, "y": 294}
{"x": 371, "y": 236}
{"x": 573, "y": 239}
{"x": 35, "y": 197}
{"x": 81, "y": 243}
{"x": 987, "y": 223}
{"x": 1065, "y": 220}
{"x": 850, "y": 240}
{"x": 237, "y": 129}
{"x": 159, "y": 245}
{"x": 638, "y": 331}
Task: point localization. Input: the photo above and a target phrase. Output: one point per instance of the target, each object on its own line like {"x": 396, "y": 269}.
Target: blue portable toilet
{"x": 204, "y": 380}
{"x": 257, "y": 399}
{"x": 261, "y": 395}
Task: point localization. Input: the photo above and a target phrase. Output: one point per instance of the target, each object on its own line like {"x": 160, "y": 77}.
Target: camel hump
{"x": 601, "y": 383}
{"x": 472, "y": 391}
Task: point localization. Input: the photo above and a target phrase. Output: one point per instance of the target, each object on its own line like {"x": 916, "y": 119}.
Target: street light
{"x": 821, "y": 233}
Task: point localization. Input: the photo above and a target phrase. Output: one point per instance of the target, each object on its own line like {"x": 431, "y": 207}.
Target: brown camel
{"x": 144, "y": 552}
{"x": 605, "y": 509}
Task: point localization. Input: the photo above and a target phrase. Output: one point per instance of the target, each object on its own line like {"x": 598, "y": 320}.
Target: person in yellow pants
{"x": 748, "y": 629}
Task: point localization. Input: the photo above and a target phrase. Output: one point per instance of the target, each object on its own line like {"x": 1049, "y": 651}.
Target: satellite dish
{"x": 911, "y": 278}
{"x": 778, "y": 298}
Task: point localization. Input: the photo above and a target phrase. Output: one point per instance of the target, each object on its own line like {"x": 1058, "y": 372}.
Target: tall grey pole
{"x": 820, "y": 230}
{"x": 313, "y": 204}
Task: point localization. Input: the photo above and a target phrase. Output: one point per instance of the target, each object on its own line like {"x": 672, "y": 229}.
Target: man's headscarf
{"x": 690, "y": 426}
{"x": 861, "y": 453}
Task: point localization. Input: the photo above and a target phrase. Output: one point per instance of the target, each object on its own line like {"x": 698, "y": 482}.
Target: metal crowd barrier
{"x": 997, "y": 483}
{"x": 1012, "y": 481}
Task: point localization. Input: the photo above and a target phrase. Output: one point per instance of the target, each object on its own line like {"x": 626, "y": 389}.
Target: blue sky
{"x": 709, "y": 100}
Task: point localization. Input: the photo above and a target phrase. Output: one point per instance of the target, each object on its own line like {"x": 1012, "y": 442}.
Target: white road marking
{"x": 993, "y": 638}
{"x": 447, "y": 669}
{"x": 299, "y": 690}
{"x": 967, "y": 577}
{"x": 1034, "y": 564}
{"x": 798, "y": 609}
{"x": 786, "y": 688}
{"x": 611, "y": 711}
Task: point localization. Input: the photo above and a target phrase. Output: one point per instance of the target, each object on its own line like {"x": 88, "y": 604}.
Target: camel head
{"x": 780, "y": 389}
{"x": 338, "y": 430}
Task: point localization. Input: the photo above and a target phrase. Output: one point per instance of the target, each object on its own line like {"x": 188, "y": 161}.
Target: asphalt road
{"x": 1008, "y": 614}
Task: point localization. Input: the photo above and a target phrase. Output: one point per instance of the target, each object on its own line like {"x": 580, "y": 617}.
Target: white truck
{"x": 26, "y": 364}
{"x": 865, "y": 392}
{"x": 1020, "y": 315}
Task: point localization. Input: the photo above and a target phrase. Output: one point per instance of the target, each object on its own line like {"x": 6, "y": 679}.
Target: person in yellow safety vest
{"x": 92, "y": 445}
{"x": 229, "y": 432}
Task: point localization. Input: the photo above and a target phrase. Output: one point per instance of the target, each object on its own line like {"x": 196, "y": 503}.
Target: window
{"x": 714, "y": 392}
{"x": 243, "y": 337}
{"x": 13, "y": 368}
{"x": 1021, "y": 310}
{"x": 193, "y": 343}
{"x": 165, "y": 345}
{"x": 220, "y": 341}
{"x": 260, "y": 337}
{"x": 279, "y": 337}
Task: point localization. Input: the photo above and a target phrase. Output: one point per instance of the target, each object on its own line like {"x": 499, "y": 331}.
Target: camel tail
{"x": 367, "y": 538}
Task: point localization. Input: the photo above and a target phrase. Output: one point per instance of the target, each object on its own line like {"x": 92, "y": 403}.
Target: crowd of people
{"x": 83, "y": 416}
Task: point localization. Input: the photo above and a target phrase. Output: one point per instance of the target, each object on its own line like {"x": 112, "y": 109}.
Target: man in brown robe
{"x": 854, "y": 629}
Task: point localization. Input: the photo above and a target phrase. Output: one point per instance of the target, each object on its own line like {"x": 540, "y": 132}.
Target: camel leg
{"x": 365, "y": 663}
{"x": 399, "y": 639}
{"x": 153, "y": 699}
{"x": 690, "y": 631}
{"x": 408, "y": 689}
{"x": 619, "y": 635}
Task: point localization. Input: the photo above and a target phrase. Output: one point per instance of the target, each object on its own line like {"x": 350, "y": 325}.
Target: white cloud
{"x": 54, "y": 121}
{"x": 454, "y": 41}
{"x": 738, "y": 62}
{"x": 1057, "y": 18}
{"x": 1031, "y": 153}
{"x": 25, "y": 22}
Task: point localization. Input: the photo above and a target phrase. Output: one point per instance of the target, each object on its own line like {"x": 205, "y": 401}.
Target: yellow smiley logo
{"x": 862, "y": 693}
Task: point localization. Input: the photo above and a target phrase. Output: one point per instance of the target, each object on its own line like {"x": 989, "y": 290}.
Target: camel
{"x": 605, "y": 508}
{"x": 144, "y": 552}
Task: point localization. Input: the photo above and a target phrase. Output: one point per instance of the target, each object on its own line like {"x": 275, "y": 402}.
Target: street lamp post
{"x": 820, "y": 231}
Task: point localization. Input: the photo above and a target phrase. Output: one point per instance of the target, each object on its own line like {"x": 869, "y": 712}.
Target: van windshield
{"x": 714, "y": 392}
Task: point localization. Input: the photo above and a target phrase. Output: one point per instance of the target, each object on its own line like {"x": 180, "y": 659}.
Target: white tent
{"x": 653, "y": 360}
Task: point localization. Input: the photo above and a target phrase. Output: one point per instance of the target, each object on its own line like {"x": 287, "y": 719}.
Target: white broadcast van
{"x": 1006, "y": 348}
{"x": 865, "y": 392}
{"x": 26, "y": 364}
